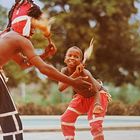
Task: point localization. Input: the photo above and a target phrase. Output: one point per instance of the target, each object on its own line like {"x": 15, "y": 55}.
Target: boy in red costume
{"x": 93, "y": 103}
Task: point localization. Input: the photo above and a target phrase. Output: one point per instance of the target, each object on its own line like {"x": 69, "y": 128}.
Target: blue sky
{"x": 9, "y": 3}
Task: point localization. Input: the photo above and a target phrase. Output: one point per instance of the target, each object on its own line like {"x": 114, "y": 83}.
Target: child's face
{"x": 73, "y": 57}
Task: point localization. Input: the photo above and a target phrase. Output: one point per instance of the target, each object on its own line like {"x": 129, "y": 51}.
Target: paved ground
{"x": 85, "y": 135}
{"x": 116, "y": 128}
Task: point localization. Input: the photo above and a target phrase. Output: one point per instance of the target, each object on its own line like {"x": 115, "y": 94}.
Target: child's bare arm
{"x": 96, "y": 86}
{"x": 62, "y": 86}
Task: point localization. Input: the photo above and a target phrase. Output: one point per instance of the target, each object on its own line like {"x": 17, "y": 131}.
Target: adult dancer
{"x": 16, "y": 46}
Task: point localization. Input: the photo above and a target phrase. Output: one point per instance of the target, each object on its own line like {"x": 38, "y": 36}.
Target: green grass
{"x": 127, "y": 93}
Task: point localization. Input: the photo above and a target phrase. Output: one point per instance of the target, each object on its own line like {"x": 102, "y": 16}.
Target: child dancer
{"x": 93, "y": 103}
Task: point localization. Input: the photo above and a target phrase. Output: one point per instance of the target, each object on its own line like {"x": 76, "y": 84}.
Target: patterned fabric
{"x": 10, "y": 122}
{"x": 6, "y": 102}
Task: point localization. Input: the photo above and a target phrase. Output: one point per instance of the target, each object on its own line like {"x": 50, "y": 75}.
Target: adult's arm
{"x": 62, "y": 86}
{"x": 49, "y": 51}
{"x": 21, "y": 60}
{"x": 46, "y": 69}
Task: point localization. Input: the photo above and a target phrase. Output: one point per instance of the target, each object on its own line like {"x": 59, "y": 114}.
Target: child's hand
{"x": 80, "y": 68}
{"x": 97, "y": 109}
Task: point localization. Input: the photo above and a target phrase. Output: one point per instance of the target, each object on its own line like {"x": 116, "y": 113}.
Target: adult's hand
{"x": 50, "y": 49}
{"x": 81, "y": 85}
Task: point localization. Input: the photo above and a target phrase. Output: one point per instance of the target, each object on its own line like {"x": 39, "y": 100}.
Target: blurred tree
{"x": 3, "y": 13}
{"x": 116, "y": 56}
{"x": 17, "y": 75}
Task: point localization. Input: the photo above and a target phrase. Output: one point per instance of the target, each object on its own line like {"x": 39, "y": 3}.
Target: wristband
{"x": 97, "y": 103}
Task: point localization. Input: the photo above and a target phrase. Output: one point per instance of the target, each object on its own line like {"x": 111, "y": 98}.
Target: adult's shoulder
{"x": 11, "y": 35}
{"x": 18, "y": 37}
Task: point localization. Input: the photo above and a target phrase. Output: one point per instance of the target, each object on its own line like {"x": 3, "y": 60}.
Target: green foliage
{"x": 3, "y": 21}
{"x": 116, "y": 56}
{"x": 39, "y": 41}
{"x": 117, "y": 39}
{"x": 117, "y": 108}
{"x": 114, "y": 108}
{"x": 43, "y": 94}
{"x": 16, "y": 75}
{"x": 134, "y": 109}
{"x": 54, "y": 102}
{"x": 127, "y": 93}
{"x": 55, "y": 96}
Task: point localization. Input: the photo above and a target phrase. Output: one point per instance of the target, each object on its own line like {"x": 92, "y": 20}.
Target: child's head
{"x": 73, "y": 57}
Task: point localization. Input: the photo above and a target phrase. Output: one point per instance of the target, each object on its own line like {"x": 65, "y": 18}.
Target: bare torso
{"x": 8, "y": 46}
{"x": 84, "y": 74}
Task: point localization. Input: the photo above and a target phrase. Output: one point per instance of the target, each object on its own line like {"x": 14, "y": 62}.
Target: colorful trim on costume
{"x": 27, "y": 28}
{"x": 12, "y": 133}
{"x": 69, "y": 137}
{"x": 74, "y": 110}
{"x": 67, "y": 123}
{"x": 11, "y": 112}
{"x": 96, "y": 119}
{"x": 98, "y": 135}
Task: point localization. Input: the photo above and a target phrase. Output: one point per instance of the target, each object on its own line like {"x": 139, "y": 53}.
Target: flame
{"x": 88, "y": 51}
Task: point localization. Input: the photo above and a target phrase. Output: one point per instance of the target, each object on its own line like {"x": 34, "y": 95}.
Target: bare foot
{"x": 97, "y": 109}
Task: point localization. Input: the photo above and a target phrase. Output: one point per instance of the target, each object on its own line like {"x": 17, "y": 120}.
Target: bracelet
{"x": 32, "y": 57}
{"x": 97, "y": 103}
